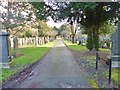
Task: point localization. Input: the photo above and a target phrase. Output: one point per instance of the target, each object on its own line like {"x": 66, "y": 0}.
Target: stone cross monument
{"x": 115, "y": 49}
{"x": 4, "y": 50}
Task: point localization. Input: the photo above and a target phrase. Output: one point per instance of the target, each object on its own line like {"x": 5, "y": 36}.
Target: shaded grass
{"x": 30, "y": 55}
{"x": 94, "y": 84}
{"x": 90, "y": 60}
{"x": 115, "y": 75}
{"x": 107, "y": 51}
{"x": 75, "y": 46}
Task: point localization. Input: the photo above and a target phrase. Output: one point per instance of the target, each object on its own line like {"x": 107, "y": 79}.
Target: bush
{"x": 108, "y": 44}
{"x": 28, "y": 33}
{"x": 96, "y": 42}
{"x": 89, "y": 44}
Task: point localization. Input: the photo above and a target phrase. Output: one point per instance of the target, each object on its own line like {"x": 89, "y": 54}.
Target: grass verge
{"x": 94, "y": 84}
{"x": 115, "y": 75}
{"x": 75, "y": 46}
{"x": 89, "y": 61}
{"x": 29, "y": 56}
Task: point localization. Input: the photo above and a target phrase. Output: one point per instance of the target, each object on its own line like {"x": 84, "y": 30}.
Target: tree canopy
{"x": 91, "y": 15}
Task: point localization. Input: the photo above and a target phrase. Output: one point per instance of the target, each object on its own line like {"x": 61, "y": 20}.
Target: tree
{"x": 17, "y": 14}
{"x": 107, "y": 28}
{"x": 90, "y": 15}
{"x": 42, "y": 29}
{"x": 73, "y": 14}
{"x": 28, "y": 33}
{"x": 65, "y": 30}
{"x": 96, "y": 17}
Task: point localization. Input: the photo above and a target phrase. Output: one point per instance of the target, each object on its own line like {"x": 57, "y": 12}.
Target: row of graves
{"x": 82, "y": 39}
{"x": 28, "y": 41}
{"x": 104, "y": 40}
{"x": 7, "y": 42}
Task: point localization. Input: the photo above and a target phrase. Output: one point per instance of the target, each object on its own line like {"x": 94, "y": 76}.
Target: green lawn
{"x": 29, "y": 56}
{"x": 115, "y": 72}
{"x": 115, "y": 75}
{"x": 107, "y": 51}
{"x": 75, "y": 46}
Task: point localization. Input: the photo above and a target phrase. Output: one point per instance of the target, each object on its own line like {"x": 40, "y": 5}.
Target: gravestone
{"x": 11, "y": 42}
{"x": 115, "y": 49}
{"x": 4, "y": 50}
{"x": 31, "y": 40}
{"x": 36, "y": 41}
{"x": 21, "y": 42}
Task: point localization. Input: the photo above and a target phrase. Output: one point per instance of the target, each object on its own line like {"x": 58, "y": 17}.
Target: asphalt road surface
{"x": 57, "y": 69}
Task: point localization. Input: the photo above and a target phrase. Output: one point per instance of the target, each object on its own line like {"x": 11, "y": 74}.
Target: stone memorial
{"x": 4, "y": 54}
{"x": 21, "y": 42}
{"x": 115, "y": 48}
{"x": 36, "y": 41}
{"x": 11, "y": 42}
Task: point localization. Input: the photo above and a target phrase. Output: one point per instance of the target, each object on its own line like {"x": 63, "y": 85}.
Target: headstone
{"x": 4, "y": 54}
{"x": 31, "y": 40}
{"x": 21, "y": 43}
{"x": 39, "y": 40}
{"x": 42, "y": 40}
{"x": 36, "y": 41}
{"x": 115, "y": 49}
{"x": 11, "y": 42}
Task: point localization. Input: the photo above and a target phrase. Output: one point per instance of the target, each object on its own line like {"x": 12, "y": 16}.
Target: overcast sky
{"x": 51, "y": 23}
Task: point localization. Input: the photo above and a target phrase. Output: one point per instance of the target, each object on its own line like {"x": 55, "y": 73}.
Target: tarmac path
{"x": 57, "y": 69}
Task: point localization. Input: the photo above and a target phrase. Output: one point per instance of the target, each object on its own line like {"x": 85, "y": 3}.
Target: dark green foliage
{"x": 96, "y": 42}
{"x": 44, "y": 10}
{"x": 28, "y": 33}
{"x": 91, "y": 15}
{"x": 108, "y": 44}
{"x": 40, "y": 33}
{"x": 55, "y": 28}
{"x": 40, "y": 10}
{"x": 96, "y": 17}
{"x": 89, "y": 44}
{"x": 107, "y": 28}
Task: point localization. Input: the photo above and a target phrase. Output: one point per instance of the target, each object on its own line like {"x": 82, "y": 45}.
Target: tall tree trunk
{"x": 15, "y": 46}
{"x": 96, "y": 37}
{"x": 44, "y": 40}
{"x": 73, "y": 38}
{"x": 90, "y": 39}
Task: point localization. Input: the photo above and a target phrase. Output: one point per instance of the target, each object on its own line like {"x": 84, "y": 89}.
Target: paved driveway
{"x": 57, "y": 69}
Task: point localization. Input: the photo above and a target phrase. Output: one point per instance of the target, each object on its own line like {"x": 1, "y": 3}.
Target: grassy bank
{"x": 90, "y": 60}
{"x": 29, "y": 56}
{"x": 115, "y": 75}
{"x": 74, "y": 46}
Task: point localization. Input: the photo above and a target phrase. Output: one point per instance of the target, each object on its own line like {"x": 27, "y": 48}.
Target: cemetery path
{"x": 57, "y": 69}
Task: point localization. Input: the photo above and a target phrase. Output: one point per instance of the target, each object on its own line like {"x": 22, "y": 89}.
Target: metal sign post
{"x": 97, "y": 58}
{"x": 110, "y": 61}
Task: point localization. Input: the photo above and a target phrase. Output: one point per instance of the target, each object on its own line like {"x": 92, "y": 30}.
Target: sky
{"x": 51, "y": 23}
